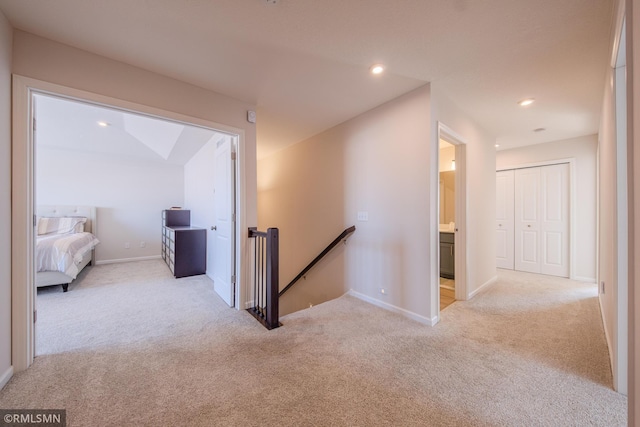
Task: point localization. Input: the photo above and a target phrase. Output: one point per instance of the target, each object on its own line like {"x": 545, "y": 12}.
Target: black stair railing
{"x": 341, "y": 237}
{"x": 265, "y": 277}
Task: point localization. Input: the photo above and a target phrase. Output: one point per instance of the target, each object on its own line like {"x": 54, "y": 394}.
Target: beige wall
{"x": 633, "y": 102}
{"x": 387, "y": 174}
{"x": 481, "y": 191}
{"x": 584, "y": 151}
{"x": 382, "y": 163}
{"x": 375, "y": 163}
{"x": 301, "y": 192}
{"x": 53, "y": 62}
{"x": 5, "y": 197}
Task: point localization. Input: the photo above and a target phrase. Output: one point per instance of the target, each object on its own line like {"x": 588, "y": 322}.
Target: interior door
{"x": 554, "y": 220}
{"x": 542, "y": 220}
{"x": 224, "y": 271}
{"x": 527, "y": 220}
{"x": 504, "y": 219}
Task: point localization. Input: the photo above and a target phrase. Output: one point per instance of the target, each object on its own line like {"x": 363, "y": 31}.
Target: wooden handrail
{"x": 328, "y": 249}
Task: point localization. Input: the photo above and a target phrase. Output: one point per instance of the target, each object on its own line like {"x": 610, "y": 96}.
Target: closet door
{"x": 527, "y": 220}
{"x": 504, "y": 219}
{"x": 554, "y": 220}
{"x": 542, "y": 220}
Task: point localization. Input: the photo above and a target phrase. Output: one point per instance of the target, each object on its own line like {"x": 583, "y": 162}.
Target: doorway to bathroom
{"x": 447, "y": 215}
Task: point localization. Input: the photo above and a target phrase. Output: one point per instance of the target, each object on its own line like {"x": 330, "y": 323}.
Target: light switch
{"x": 363, "y": 216}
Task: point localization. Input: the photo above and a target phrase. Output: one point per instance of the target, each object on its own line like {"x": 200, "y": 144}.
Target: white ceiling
{"x": 305, "y": 63}
{"x": 69, "y": 125}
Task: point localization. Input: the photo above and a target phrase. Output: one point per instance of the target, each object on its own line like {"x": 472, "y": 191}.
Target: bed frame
{"x": 50, "y": 278}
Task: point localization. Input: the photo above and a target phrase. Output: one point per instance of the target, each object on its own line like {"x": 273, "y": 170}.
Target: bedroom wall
{"x": 129, "y": 195}
{"x": 5, "y": 199}
{"x": 584, "y": 151}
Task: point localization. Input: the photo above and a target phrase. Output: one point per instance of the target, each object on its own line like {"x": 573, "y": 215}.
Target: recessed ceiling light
{"x": 103, "y": 124}
{"x": 526, "y": 102}
{"x": 377, "y": 69}
{"x": 497, "y": 145}
{"x": 539, "y": 130}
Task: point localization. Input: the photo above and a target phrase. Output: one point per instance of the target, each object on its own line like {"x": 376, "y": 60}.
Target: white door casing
{"x": 504, "y": 219}
{"x": 224, "y": 227}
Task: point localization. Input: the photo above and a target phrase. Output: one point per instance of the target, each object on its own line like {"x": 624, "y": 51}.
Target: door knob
{"x": 529, "y": 225}
{"x": 214, "y": 228}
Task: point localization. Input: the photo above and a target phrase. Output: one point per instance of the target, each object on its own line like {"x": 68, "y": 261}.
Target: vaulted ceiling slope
{"x": 305, "y": 63}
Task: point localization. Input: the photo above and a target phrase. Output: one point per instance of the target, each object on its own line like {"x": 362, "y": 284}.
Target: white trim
{"x": 621, "y": 222}
{"x": 22, "y": 238}
{"x": 390, "y": 307}
{"x": 117, "y": 261}
{"x": 537, "y": 164}
{"x": 22, "y": 209}
{"x": 4, "y": 379}
{"x": 606, "y": 334}
{"x": 590, "y": 280}
{"x": 486, "y": 284}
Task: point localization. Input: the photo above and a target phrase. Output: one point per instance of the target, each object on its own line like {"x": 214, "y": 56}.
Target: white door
{"x": 504, "y": 219}
{"x": 554, "y": 220}
{"x": 224, "y": 228}
{"x": 527, "y": 220}
{"x": 542, "y": 220}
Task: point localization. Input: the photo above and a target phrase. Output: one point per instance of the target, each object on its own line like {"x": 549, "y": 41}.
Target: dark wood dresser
{"x": 184, "y": 248}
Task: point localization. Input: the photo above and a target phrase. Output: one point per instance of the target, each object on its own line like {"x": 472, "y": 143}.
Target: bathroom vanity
{"x": 447, "y": 254}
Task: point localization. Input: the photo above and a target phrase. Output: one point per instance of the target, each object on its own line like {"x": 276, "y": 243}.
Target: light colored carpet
{"x": 528, "y": 351}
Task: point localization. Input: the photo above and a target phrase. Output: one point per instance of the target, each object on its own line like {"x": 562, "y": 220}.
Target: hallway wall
{"x": 6, "y": 40}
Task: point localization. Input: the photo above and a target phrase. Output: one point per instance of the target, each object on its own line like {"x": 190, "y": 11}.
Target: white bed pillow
{"x": 61, "y": 225}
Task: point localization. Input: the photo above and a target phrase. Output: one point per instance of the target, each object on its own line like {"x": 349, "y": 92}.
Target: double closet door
{"x": 532, "y": 219}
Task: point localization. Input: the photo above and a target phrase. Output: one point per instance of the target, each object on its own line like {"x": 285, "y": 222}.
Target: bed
{"x": 65, "y": 243}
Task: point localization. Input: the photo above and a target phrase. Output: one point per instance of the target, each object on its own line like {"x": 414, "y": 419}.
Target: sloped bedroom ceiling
{"x": 71, "y": 125}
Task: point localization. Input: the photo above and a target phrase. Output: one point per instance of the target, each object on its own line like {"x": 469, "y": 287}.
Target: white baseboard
{"x": 483, "y": 286}
{"x": 586, "y": 279}
{"x": 6, "y": 376}
{"x": 606, "y": 335}
{"x": 406, "y": 313}
{"x": 116, "y": 261}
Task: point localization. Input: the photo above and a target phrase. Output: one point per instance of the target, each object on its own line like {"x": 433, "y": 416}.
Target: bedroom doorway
{"x": 160, "y": 165}
{"x": 27, "y": 184}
